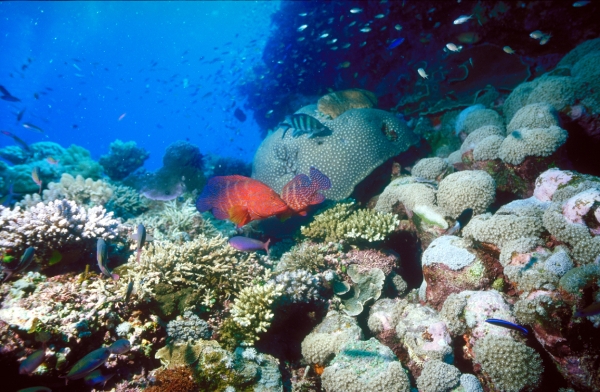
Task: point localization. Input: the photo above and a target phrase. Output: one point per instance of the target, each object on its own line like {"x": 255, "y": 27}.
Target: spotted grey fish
{"x": 303, "y": 123}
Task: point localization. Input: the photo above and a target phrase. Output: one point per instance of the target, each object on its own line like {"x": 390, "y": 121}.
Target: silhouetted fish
{"x": 7, "y": 96}
{"x": 239, "y": 115}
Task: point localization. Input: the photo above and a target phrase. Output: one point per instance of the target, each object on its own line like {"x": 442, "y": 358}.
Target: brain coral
{"x": 478, "y": 135}
{"x": 488, "y": 148}
{"x": 336, "y": 103}
{"x": 511, "y": 365}
{"x": 438, "y": 376}
{"x": 479, "y": 118}
{"x": 558, "y": 91}
{"x": 362, "y": 140}
{"x": 536, "y": 115}
{"x": 430, "y": 168}
{"x": 365, "y": 366}
{"x": 539, "y": 142}
{"x": 406, "y": 191}
{"x": 474, "y": 189}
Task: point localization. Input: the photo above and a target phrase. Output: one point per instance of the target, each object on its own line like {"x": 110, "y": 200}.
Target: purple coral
{"x": 548, "y": 182}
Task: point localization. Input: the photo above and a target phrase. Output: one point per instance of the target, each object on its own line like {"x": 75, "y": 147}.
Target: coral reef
{"x": 188, "y": 327}
{"x": 467, "y": 189}
{"x": 123, "y": 159}
{"x": 364, "y": 139}
{"x": 438, "y": 376}
{"x": 430, "y": 168}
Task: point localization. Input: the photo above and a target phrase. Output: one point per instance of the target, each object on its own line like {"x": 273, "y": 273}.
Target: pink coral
{"x": 368, "y": 259}
{"x": 579, "y": 205}
{"x": 548, "y": 182}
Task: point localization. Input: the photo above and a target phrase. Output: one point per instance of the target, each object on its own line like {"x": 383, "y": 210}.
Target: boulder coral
{"x": 362, "y": 140}
{"x": 123, "y": 159}
{"x": 430, "y": 168}
{"x": 474, "y": 189}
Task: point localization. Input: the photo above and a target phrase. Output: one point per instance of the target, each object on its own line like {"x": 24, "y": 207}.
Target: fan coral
{"x": 80, "y": 190}
{"x": 438, "y": 376}
{"x": 430, "y": 168}
{"x": 123, "y": 159}
{"x": 363, "y": 140}
{"x": 188, "y": 327}
{"x": 367, "y": 286}
{"x": 210, "y": 266}
{"x": 55, "y": 225}
{"x": 336, "y": 103}
{"x": 511, "y": 365}
{"x": 537, "y": 115}
{"x": 474, "y": 189}
{"x": 342, "y": 222}
{"x": 327, "y": 338}
{"x": 538, "y": 142}
{"x": 365, "y": 366}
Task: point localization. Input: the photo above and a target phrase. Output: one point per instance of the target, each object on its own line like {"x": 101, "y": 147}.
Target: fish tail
{"x": 267, "y": 247}
{"x": 115, "y": 277}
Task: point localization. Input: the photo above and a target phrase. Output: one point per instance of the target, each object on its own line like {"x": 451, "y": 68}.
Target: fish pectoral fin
{"x": 239, "y": 215}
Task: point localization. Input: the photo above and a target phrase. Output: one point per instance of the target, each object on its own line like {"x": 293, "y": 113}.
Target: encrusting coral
{"x": 336, "y": 103}
{"x": 438, "y": 376}
{"x": 474, "y": 189}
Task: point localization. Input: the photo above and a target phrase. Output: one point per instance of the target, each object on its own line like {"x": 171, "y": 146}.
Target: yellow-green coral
{"x": 208, "y": 264}
{"x": 344, "y": 222}
{"x": 305, "y": 256}
{"x": 80, "y": 190}
{"x": 253, "y": 310}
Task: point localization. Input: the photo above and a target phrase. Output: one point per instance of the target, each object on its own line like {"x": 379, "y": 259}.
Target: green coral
{"x": 215, "y": 270}
{"x": 366, "y": 286}
{"x": 126, "y": 202}
{"x": 123, "y": 159}
{"x": 511, "y": 365}
{"x": 253, "y": 310}
{"x": 344, "y": 222}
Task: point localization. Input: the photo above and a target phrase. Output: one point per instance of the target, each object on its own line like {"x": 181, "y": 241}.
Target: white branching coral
{"x": 54, "y": 225}
{"x": 83, "y": 191}
{"x": 208, "y": 264}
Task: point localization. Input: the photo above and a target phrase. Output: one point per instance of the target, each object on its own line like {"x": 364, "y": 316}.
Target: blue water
{"x": 88, "y": 73}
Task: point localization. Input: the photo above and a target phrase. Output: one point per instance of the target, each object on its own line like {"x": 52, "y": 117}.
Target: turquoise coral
{"x": 123, "y": 159}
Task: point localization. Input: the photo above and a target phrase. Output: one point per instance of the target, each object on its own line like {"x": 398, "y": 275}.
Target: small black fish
{"x": 509, "y": 325}
{"x": 8, "y": 96}
{"x": 239, "y": 115}
{"x": 129, "y": 291}
{"x": 461, "y": 221}
{"x": 303, "y": 123}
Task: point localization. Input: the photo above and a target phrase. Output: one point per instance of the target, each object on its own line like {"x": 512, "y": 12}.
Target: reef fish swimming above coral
{"x": 242, "y": 200}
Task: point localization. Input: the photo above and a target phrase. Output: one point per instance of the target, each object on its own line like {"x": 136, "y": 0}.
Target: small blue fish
{"x": 32, "y": 362}
{"x": 121, "y": 346}
{"x": 395, "y": 43}
{"x": 88, "y": 364}
{"x": 509, "y": 325}
{"x": 96, "y": 377}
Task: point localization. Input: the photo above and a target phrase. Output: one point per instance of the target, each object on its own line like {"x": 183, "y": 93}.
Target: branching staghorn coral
{"x": 54, "y": 225}
{"x": 208, "y": 264}
{"x": 344, "y": 222}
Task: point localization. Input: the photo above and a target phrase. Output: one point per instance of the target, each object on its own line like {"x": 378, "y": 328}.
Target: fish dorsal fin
{"x": 239, "y": 215}
{"x": 321, "y": 180}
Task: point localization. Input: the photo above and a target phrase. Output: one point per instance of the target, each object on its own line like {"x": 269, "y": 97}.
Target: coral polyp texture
{"x": 362, "y": 140}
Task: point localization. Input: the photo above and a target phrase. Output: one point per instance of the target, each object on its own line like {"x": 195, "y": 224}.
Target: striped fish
{"x": 303, "y": 123}
{"x": 303, "y": 191}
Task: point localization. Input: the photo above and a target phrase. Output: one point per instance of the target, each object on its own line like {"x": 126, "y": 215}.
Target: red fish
{"x": 302, "y": 191}
{"x": 240, "y": 199}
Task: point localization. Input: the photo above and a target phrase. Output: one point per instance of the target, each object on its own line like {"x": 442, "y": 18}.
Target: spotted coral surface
{"x": 361, "y": 141}
{"x": 474, "y": 189}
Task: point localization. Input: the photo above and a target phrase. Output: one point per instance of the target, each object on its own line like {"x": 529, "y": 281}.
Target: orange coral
{"x": 334, "y": 104}
{"x": 180, "y": 379}
{"x": 318, "y": 369}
